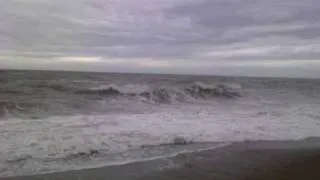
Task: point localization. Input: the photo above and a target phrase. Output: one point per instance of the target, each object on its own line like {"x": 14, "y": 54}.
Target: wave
{"x": 9, "y": 108}
{"x": 89, "y": 154}
{"x": 167, "y": 94}
{"x": 34, "y": 87}
{"x": 20, "y": 159}
{"x": 160, "y": 94}
{"x": 25, "y": 107}
{"x": 56, "y": 86}
{"x": 26, "y": 165}
{"x": 105, "y": 90}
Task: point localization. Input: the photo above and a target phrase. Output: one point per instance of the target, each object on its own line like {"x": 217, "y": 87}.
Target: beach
{"x": 159, "y": 90}
{"x": 244, "y": 160}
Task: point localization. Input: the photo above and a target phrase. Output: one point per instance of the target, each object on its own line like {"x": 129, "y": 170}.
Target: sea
{"x": 52, "y": 121}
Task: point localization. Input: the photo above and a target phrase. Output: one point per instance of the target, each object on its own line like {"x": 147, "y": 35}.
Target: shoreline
{"x": 240, "y": 160}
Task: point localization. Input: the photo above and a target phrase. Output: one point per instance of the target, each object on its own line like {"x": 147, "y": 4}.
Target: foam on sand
{"x": 256, "y": 160}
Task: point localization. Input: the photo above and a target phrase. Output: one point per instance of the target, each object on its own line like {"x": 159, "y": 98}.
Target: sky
{"x": 219, "y": 37}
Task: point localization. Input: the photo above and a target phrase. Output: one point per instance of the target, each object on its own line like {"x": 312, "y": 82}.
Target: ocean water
{"x": 57, "y": 121}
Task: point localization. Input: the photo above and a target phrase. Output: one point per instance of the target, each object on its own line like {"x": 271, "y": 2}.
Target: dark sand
{"x": 261, "y": 160}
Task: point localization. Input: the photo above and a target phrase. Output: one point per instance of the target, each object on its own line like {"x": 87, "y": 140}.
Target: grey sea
{"x": 72, "y": 124}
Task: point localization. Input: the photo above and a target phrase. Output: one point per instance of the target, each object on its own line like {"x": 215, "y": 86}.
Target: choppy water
{"x": 55, "y": 121}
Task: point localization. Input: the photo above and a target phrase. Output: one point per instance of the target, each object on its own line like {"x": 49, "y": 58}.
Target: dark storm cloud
{"x": 253, "y": 23}
{"x": 199, "y": 27}
{"x": 204, "y": 33}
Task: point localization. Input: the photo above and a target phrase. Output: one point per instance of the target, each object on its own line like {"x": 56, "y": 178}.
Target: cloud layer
{"x": 182, "y": 36}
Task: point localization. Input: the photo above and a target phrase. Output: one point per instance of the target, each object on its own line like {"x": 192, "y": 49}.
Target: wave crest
{"x": 105, "y": 90}
{"x": 56, "y": 86}
{"x": 8, "y": 108}
{"x": 167, "y": 94}
{"x": 205, "y": 90}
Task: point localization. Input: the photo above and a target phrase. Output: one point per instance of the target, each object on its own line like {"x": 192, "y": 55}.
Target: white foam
{"x": 57, "y": 137}
{"x": 125, "y": 89}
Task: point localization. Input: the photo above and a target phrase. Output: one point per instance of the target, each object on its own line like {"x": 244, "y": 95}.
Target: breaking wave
{"x": 159, "y": 94}
{"x": 8, "y": 108}
{"x": 166, "y": 94}
{"x": 34, "y": 108}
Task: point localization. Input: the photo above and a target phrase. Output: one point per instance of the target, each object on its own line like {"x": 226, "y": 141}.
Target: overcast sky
{"x": 226, "y": 37}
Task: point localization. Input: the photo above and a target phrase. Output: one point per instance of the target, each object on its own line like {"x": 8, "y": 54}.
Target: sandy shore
{"x": 248, "y": 160}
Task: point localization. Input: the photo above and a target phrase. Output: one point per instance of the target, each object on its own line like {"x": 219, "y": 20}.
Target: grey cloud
{"x": 194, "y": 30}
{"x": 210, "y": 23}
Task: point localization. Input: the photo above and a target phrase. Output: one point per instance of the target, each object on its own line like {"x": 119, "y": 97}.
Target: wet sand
{"x": 252, "y": 161}
{"x": 260, "y": 160}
